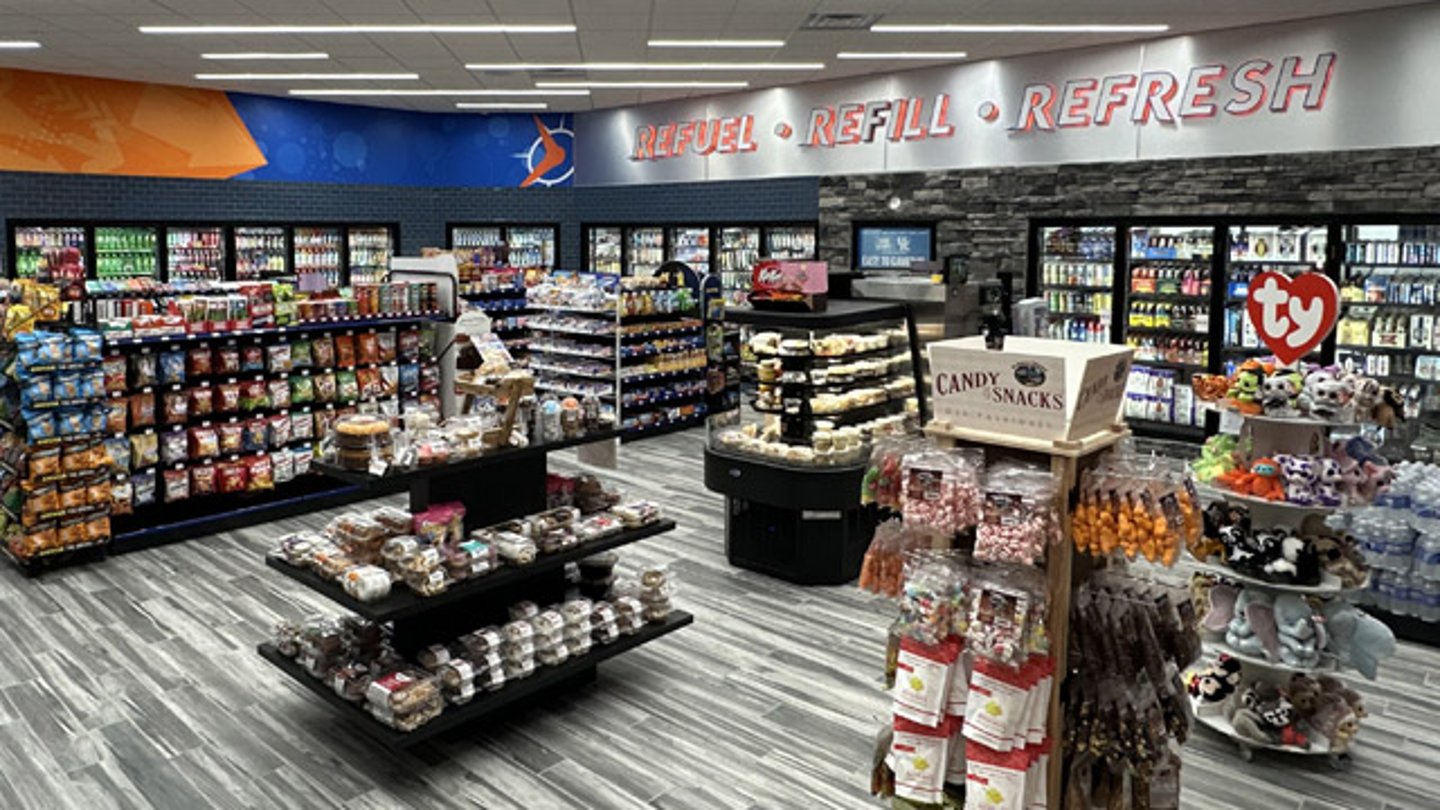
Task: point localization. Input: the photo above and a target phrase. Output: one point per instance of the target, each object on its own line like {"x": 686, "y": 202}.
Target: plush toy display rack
{"x": 1063, "y": 568}
{"x": 1272, "y": 435}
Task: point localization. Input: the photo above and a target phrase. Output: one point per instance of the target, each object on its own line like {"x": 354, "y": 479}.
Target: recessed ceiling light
{"x": 19, "y": 44}
{"x": 315, "y": 55}
{"x": 642, "y": 85}
{"x": 900, "y": 55}
{"x": 666, "y": 66}
{"x": 502, "y": 105}
{"x": 309, "y": 77}
{"x": 351, "y": 91}
{"x": 948, "y": 28}
{"x": 716, "y": 43}
{"x": 357, "y": 29}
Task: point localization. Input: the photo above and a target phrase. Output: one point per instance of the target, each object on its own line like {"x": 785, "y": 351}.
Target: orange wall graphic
{"x": 51, "y": 122}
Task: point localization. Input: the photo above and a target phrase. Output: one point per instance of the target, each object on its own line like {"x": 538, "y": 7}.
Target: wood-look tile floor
{"x": 135, "y": 684}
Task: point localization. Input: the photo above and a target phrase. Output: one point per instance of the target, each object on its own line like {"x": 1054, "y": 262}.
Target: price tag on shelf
{"x": 1231, "y": 422}
{"x": 378, "y": 467}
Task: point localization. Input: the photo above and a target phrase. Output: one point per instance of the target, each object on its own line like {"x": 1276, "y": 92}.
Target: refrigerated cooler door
{"x": 691, "y": 246}
{"x": 260, "y": 253}
{"x": 317, "y": 256}
{"x": 195, "y": 254}
{"x": 127, "y": 252}
{"x": 370, "y": 252}
{"x": 532, "y": 247}
{"x": 647, "y": 251}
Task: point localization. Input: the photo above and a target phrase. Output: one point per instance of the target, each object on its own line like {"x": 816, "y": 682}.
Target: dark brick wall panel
{"x": 421, "y": 212}
{"x": 983, "y": 214}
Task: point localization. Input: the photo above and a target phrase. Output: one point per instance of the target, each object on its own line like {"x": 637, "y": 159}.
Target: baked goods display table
{"x": 495, "y": 487}
{"x": 816, "y": 387}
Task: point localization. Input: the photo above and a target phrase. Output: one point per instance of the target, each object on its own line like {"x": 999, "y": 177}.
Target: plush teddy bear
{"x": 1304, "y": 694}
{"x": 1291, "y": 559}
{"x": 1218, "y": 456}
{"x": 1341, "y": 557}
{"x": 1365, "y": 393}
{"x": 1390, "y": 410}
{"x": 1244, "y": 392}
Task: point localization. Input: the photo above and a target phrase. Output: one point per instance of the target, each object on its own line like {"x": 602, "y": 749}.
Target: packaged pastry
{"x": 402, "y": 692}
{"x": 576, "y": 612}
{"x": 514, "y": 549}
{"x": 598, "y": 526}
{"x": 552, "y": 656}
{"x": 637, "y": 513}
{"x": 171, "y": 367}
{"x": 519, "y": 669}
{"x": 433, "y": 657}
{"x": 177, "y": 485}
{"x": 252, "y": 359}
{"x": 202, "y": 480}
{"x": 579, "y": 645}
{"x": 144, "y": 450}
{"x": 548, "y": 623}
{"x": 144, "y": 370}
{"x": 197, "y": 361}
{"x": 174, "y": 447}
{"x": 420, "y": 561}
{"x": 395, "y": 521}
{"x": 482, "y": 643}
{"x": 351, "y": 681}
{"x": 142, "y": 410}
{"x": 225, "y": 360}
{"x": 457, "y": 681}
{"x": 428, "y": 583}
{"x": 366, "y": 583}
{"x": 227, "y": 398}
{"x": 345, "y": 351}
{"x": 297, "y": 547}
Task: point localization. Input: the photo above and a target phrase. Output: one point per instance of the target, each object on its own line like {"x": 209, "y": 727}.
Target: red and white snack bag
{"x": 995, "y": 709}
{"x": 959, "y": 691}
{"x": 1045, "y": 667}
{"x": 996, "y": 780}
{"x": 919, "y": 755}
{"x": 922, "y": 680}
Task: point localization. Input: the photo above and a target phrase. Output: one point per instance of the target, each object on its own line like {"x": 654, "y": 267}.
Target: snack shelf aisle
{"x": 662, "y": 359}
{"x": 494, "y": 487}
{"x": 573, "y": 348}
{"x": 159, "y": 383}
{"x": 792, "y": 478}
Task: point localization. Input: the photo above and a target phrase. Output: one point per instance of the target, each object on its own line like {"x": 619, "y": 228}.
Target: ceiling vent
{"x": 839, "y": 22}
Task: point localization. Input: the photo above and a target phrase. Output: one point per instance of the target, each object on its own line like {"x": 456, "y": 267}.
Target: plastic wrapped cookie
{"x": 366, "y": 583}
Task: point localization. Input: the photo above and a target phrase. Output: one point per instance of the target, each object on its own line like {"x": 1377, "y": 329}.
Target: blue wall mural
{"x": 321, "y": 142}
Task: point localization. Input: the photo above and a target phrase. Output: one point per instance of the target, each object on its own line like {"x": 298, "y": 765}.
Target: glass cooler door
{"x": 1254, "y": 249}
{"x": 195, "y": 253}
{"x": 1167, "y": 321}
{"x": 532, "y": 247}
{"x": 647, "y": 251}
{"x": 127, "y": 252}
{"x": 260, "y": 253}
{"x": 691, "y": 246}
{"x": 370, "y": 250}
{"x": 605, "y": 249}
{"x": 317, "y": 251}
{"x": 735, "y": 257}
{"x": 796, "y": 242}
{"x": 1077, "y": 281}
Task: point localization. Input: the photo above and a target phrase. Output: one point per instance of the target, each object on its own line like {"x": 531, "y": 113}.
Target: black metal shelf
{"x": 1171, "y": 298}
{"x": 660, "y": 376}
{"x": 1186, "y": 367}
{"x": 837, "y": 315}
{"x": 485, "y": 704}
{"x": 1165, "y": 330}
{"x": 364, "y": 478}
{"x": 331, "y": 324}
{"x": 661, "y": 428}
{"x": 403, "y": 603}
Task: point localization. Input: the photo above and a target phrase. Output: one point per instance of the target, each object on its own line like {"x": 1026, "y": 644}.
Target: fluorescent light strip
{"x": 932, "y": 55}
{"x": 18, "y": 44}
{"x": 357, "y": 29}
{"x": 257, "y": 55}
{"x": 716, "y": 43}
{"x": 350, "y": 91}
{"x": 947, "y": 28}
{"x": 308, "y": 77}
{"x": 502, "y": 105}
{"x": 641, "y": 66}
{"x": 642, "y": 85}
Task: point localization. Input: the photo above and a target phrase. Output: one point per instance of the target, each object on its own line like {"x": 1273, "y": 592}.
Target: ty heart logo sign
{"x": 1293, "y": 315}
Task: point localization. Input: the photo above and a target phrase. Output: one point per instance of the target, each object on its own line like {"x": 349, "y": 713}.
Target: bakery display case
{"x": 816, "y": 388}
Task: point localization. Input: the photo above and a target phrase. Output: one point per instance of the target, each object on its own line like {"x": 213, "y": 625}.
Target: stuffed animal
{"x": 1262, "y": 480}
{"x": 1330, "y": 685}
{"x": 1218, "y": 456}
{"x": 1356, "y": 638}
{"x": 1219, "y": 606}
{"x": 1304, "y": 694}
{"x": 1209, "y": 387}
{"x": 1342, "y": 558}
{"x": 1291, "y": 559}
{"x": 1216, "y": 681}
{"x": 1280, "y": 392}
{"x": 1365, "y": 393}
{"x": 1364, "y": 472}
{"x": 1244, "y": 392}
{"x": 1329, "y": 400}
{"x": 1301, "y": 479}
{"x": 1252, "y": 630}
{"x": 1390, "y": 410}
{"x": 1301, "y": 636}
{"x": 1330, "y": 489}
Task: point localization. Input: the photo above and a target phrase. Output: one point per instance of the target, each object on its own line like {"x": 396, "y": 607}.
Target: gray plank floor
{"x": 134, "y": 684}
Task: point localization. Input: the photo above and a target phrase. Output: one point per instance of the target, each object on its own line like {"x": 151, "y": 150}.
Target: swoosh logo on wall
{"x": 554, "y": 154}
